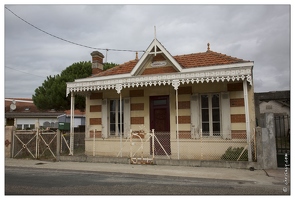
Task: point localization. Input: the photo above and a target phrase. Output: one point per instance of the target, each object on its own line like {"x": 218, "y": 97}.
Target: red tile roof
{"x": 208, "y": 58}
{"x": 26, "y": 108}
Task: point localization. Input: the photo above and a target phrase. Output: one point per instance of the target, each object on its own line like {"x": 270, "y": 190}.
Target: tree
{"x": 52, "y": 93}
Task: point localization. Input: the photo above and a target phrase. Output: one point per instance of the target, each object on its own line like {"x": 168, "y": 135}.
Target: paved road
{"x": 34, "y": 181}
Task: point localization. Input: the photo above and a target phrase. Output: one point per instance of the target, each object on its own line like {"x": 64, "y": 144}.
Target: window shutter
{"x": 195, "y": 113}
{"x": 126, "y": 117}
{"x": 104, "y": 120}
{"x": 225, "y": 116}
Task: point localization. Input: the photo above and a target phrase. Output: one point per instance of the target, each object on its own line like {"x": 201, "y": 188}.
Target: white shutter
{"x": 126, "y": 117}
{"x": 225, "y": 116}
{"x": 195, "y": 119}
{"x": 104, "y": 120}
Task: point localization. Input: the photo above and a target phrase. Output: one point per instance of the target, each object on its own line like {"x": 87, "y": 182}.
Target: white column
{"x": 176, "y": 84}
{"x": 119, "y": 89}
{"x": 120, "y": 117}
{"x": 72, "y": 124}
{"x": 248, "y": 131}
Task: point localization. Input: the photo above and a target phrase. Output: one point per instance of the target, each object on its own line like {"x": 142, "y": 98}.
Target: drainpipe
{"x": 245, "y": 88}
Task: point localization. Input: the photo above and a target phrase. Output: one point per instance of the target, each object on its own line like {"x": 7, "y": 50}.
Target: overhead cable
{"x": 107, "y": 49}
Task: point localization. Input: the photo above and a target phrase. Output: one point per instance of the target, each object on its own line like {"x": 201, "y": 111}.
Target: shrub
{"x": 234, "y": 153}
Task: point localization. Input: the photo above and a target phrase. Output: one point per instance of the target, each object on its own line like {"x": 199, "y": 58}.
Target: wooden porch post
{"x": 245, "y": 88}
{"x": 72, "y": 124}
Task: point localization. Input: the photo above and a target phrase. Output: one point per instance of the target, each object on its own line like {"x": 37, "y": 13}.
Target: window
{"x": 114, "y": 113}
{"x": 19, "y": 126}
{"x": 210, "y": 111}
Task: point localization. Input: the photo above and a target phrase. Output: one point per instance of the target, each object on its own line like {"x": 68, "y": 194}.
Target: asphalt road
{"x": 32, "y": 181}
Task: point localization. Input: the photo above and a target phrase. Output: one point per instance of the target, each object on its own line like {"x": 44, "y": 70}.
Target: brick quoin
{"x": 95, "y": 121}
{"x": 238, "y": 134}
{"x": 238, "y": 118}
{"x": 97, "y": 134}
{"x": 95, "y": 108}
{"x": 137, "y": 106}
{"x": 137, "y": 120}
{"x": 184, "y": 119}
{"x": 184, "y": 105}
{"x": 136, "y": 93}
{"x": 235, "y": 87}
{"x": 96, "y": 95}
{"x": 185, "y": 90}
{"x": 237, "y": 102}
{"x": 184, "y": 135}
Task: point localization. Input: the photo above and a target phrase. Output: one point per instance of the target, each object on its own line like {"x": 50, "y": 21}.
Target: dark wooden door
{"x": 160, "y": 122}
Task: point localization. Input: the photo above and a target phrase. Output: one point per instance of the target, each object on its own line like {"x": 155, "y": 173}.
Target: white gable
{"x": 153, "y": 50}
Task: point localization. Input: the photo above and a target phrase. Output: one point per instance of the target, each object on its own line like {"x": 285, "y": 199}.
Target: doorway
{"x": 160, "y": 122}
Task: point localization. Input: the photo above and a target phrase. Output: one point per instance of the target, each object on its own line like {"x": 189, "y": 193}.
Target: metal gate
{"x": 34, "y": 144}
{"x": 282, "y": 131}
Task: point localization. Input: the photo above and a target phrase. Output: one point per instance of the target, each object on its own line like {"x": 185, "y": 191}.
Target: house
{"x": 79, "y": 119}
{"x": 198, "y": 102}
{"x": 23, "y": 114}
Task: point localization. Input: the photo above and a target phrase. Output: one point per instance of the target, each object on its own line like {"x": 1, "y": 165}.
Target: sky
{"x": 259, "y": 33}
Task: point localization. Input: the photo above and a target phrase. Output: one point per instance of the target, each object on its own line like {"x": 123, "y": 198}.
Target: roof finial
{"x": 208, "y": 46}
{"x": 155, "y": 32}
{"x": 136, "y": 57}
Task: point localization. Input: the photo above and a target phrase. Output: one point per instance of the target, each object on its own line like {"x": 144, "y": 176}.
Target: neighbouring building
{"x": 198, "y": 102}
{"x": 23, "y": 114}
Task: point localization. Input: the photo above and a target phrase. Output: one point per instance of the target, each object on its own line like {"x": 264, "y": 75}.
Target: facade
{"x": 190, "y": 101}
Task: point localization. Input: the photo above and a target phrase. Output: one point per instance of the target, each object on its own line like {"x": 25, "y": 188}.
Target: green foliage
{"x": 234, "y": 153}
{"x": 107, "y": 66}
{"x": 52, "y": 93}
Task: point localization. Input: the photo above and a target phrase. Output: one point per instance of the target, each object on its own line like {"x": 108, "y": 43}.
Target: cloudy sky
{"x": 260, "y": 33}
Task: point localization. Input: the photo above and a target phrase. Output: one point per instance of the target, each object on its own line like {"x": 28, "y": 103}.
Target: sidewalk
{"x": 266, "y": 177}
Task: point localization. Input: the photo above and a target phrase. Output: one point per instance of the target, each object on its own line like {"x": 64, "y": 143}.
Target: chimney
{"x": 97, "y": 62}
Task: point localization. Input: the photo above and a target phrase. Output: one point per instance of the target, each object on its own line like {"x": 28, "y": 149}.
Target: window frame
{"x": 117, "y": 124}
{"x": 211, "y": 132}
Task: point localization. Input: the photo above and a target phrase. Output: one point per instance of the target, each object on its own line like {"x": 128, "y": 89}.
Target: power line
{"x": 57, "y": 37}
{"x": 24, "y": 72}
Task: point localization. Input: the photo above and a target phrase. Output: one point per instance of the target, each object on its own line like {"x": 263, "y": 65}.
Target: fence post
{"x": 266, "y": 143}
{"x": 58, "y": 146}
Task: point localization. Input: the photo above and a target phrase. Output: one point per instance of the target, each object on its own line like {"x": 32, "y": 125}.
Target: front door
{"x": 160, "y": 122}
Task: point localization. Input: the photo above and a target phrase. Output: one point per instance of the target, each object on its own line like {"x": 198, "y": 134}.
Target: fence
{"x": 144, "y": 147}
{"x": 282, "y": 135}
{"x": 43, "y": 144}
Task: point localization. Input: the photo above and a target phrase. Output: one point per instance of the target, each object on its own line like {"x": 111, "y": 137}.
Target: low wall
{"x": 210, "y": 149}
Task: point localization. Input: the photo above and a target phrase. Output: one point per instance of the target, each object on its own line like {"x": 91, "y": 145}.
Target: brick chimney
{"x": 97, "y": 62}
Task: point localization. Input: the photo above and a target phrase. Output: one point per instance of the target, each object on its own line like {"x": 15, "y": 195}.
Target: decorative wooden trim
{"x": 120, "y": 82}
